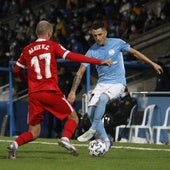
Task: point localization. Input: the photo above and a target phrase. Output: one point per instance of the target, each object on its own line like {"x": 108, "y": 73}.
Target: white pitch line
{"x": 138, "y": 148}
{"x": 85, "y": 145}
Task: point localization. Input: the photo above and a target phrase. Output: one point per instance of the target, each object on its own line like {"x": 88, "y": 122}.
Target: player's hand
{"x": 107, "y": 62}
{"x": 71, "y": 97}
{"x": 158, "y": 68}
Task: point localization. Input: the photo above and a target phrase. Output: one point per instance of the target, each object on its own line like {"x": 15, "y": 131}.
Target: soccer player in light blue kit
{"x": 111, "y": 80}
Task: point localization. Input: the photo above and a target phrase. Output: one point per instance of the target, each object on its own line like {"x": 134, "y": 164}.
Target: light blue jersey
{"x": 111, "y": 50}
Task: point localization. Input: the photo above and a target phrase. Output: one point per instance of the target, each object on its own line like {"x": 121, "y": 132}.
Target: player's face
{"x": 99, "y": 36}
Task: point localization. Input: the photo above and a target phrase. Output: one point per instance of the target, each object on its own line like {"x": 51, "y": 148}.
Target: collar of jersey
{"x": 41, "y": 39}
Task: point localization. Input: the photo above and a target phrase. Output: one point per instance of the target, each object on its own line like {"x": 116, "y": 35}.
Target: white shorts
{"x": 112, "y": 90}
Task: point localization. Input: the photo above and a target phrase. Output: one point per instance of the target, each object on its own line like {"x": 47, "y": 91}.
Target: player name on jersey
{"x": 38, "y": 47}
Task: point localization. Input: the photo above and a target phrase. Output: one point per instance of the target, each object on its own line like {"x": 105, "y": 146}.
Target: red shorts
{"x": 51, "y": 101}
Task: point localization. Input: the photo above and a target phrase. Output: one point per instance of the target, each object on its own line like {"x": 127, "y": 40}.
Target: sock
{"x": 101, "y": 131}
{"x": 90, "y": 113}
{"x": 99, "y": 111}
{"x": 69, "y": 128}
{"x": 24, "y": 138}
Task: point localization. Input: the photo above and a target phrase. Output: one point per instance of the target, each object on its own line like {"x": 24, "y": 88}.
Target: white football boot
{"x": 64, "y": 142}
{"x": 12, "y": 149}
{"x": 86, "y": 136}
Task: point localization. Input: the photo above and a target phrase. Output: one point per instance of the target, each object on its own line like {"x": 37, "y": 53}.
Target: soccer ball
{"x": 97, "y": 147}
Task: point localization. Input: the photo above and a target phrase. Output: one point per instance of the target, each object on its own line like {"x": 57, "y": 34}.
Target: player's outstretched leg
{"x": 65, "y": 142}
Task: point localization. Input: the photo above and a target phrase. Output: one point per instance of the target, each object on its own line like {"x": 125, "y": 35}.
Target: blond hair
{"x": 43, "y": 27}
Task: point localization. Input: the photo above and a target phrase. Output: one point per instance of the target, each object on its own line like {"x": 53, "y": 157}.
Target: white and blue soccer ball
{"x": 97, "y": 147}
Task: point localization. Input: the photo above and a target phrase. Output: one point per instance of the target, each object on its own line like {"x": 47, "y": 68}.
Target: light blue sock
{"x": 90, "y": 113}
{"x": 101, "y": 131}
{"x": 98, "y": 114}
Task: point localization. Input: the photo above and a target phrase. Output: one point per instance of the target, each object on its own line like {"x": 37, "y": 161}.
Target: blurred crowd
{"x": 72, "y": 20}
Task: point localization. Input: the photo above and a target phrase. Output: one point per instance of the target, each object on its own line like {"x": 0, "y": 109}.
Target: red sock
{"x": 69, "y": 128}
{"x": 24, "y": 138}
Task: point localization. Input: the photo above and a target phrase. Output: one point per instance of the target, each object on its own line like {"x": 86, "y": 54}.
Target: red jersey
{"x": 39, "y": 58}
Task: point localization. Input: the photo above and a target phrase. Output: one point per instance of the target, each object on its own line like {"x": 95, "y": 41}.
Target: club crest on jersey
{"x": 111, "y": 52}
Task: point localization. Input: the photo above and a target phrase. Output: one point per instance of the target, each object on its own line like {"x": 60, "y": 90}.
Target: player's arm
{"x": 19, "y": 71}
{"x": 76, "y": 57}
{"x": 76, "y": 82}
{"x": 85, "y": 59}
{"x": 142, "y": 57}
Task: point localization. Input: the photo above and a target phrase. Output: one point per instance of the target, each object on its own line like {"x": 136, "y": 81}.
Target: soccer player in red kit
{"x": 39, "y": 58}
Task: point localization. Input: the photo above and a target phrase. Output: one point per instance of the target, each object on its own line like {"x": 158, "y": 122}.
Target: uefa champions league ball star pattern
{"x": 97, "y": 148}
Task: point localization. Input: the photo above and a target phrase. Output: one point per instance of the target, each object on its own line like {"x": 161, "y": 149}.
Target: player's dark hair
{"x": 98, "y": 25}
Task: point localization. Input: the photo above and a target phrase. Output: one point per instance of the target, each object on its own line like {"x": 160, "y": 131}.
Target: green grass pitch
{"x": 45, "y": 154}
